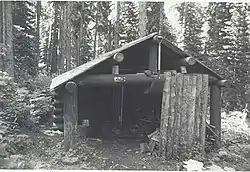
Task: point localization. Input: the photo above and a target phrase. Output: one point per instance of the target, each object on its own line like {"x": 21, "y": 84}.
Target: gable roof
{"x": 69, "y": 75}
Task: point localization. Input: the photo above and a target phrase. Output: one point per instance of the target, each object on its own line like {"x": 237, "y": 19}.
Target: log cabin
{"x": 116, "y": 84}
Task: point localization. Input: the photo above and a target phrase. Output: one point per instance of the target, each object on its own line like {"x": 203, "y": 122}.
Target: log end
{"x": 223, "y": 83}
{"x": 70, "y": 86}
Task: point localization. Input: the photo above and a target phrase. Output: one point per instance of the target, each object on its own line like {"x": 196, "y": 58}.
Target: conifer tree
{"x": 240, "y": 61}
{"x": 130, "y": 20}
{"x": 192, "y": 19}
{"x": 220, "y": 45}
{"x": 24, "y": 42}
{"x": 157, "y": 20}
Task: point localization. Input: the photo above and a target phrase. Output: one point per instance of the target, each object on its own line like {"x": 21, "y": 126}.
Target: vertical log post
{"x": 70, "y": 115}
{"x": 165, "y": 113}
{"x": 204, "y": 111}
{"x": 215, "y": 112}
{"x": 153, "y": 57}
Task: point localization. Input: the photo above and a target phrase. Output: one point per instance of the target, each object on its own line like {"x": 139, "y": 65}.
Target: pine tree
{"x": 220, "y": 46}
{"x": 104, "y": 27}
{"x": 130, "y": 21}
{"x": 24, "y": 42}
{"x": 192, "y": 20}
{"x": 158, "y": 21}
{"x": 240, "y": 61}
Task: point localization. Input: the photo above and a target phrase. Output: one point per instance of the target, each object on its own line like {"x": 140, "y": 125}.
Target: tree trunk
{"x": 161, "y": 7}
{"x": 96, "y": 31}
{"x": 68, "y": 40}
{"x": 55, "y": 41}
{"x": 142, "y": 19}
{"x": 108, "y": 47}
{"x": 61, "y": 42}
{"x": 8, "y": 62}
{"x": 82, "y": 32}
{"x": 38, "y": 16}
{"x": 1, "y": 36}
{"x": 117, "y": 24}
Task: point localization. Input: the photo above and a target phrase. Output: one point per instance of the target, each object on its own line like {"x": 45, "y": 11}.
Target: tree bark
{"x": 165, "y": 113}
{"x": 96, "y": 30}
{"x": 61, "y": 42}
{"x": 69, "y": 35}
{"x": 38, "y": 16}
{"x": 142, "y": 19}
{"x": 161, "y": 7}
{"x": 1, "y": 36}
{"x": 70, "y": 115}
{"x": 55, "y": 41}
{"x": 117, "y": 24}
{"x": 9, "y": 59}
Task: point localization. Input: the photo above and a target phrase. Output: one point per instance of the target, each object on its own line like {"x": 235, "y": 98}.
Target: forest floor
{"x": 43, "y": 151}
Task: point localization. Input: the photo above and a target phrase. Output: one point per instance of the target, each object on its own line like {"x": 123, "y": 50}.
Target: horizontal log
{"x": 58, "y": 119}
{"x": 157, "y": 38}
{"x": 221, "y": 83}
{"x": 118, "y": 57}
{"x": 141, "y": 78}
{"x": 58, "y": 127}
{"x": 57, "y": 103}
{"x": 109, "y": 79}
{"x": 58, "y": 110}
{"x": 71, "y": 86}
{"x": 188, "y": 61}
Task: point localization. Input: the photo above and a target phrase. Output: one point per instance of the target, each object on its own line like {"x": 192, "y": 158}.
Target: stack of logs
{"x": 58, "y": 111}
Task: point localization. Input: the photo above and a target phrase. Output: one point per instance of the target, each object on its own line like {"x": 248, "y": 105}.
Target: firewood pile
{"x": 153, "y": 144}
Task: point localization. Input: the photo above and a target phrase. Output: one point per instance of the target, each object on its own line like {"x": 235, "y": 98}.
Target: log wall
{"x": 183, "y": 115}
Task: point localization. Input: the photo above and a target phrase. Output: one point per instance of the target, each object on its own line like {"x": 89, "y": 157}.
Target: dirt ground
{"x": 46, "y": 152}
{"x": 110, "y": 154}
{"x": 32, "y": 150}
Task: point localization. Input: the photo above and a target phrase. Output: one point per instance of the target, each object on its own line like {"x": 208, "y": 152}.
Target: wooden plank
{"x": 203, "y": 111}
{"x": 215, "y": 113}
{"x": 70, "y": 115}
{"x": 172, "y": 115}
{"x": 191, "y": 109}
{"x": 177, "y": 124}
{"x": 153, "y": 57}
{"x": 184, "y": 114}
{"x": 198, "y": 114}
{"x": 165, "y": 110}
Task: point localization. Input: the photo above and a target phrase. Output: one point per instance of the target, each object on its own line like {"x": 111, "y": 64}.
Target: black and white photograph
{"x": 125, "y": 85}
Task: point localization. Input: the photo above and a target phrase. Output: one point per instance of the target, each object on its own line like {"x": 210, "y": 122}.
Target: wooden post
{"x": 184, "y": 115}
{"x": 215, "y": 113}
{"x": 191, "y": 110}
{"x": 70, "y": 115}
{"x": 203, "y": 111}
{"x": 165, "y": 113}
{"x": 172, "y": 115}
{"x": 115, "y": 69}
{"x": 178, "y": 116}
{"x": 153, "y": 57}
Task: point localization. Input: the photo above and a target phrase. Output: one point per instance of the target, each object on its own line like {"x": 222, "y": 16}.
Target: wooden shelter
{"x": 115, "y": 83}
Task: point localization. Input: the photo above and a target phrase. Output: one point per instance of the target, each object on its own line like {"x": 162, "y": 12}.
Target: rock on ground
{"x": 70, "y": 160}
